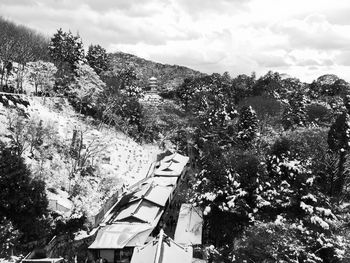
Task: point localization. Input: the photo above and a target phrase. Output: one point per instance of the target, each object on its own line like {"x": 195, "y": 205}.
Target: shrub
{"x": 318, "y": 114}
{"x": 22, "y": 198}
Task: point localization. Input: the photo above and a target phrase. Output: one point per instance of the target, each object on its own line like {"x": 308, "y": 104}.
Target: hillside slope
{"x": 111, "y": 158}
{"x": 169, "y": 76}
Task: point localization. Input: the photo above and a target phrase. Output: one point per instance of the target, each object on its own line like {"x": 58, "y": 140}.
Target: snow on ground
{"x": 118, "y": 154}
{"x": 117, "y": 158}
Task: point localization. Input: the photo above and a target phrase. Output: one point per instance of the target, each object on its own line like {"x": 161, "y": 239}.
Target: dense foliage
{"x": 23, "y": 205}
{"x": 67, "y": 52}
{"x": 271, "y": 184}
{"x": 97, "y": 58}
{"x": 42, "y": 75}
{"x": 18, "y": 44}
{"x": 270, "y": 155}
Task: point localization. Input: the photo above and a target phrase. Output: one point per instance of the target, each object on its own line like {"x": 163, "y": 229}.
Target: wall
{"x": 107, "y": 254}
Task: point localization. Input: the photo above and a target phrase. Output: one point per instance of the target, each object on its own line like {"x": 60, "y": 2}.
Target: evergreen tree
{"x": 247, "y": 125}
{"x": 8, "y": 237}
{"x": 66, "y": 48}
{"x": 97, "y": 58}
{"x": 339, "y": 142}
{"x": 22, "y": 198}
{"x": 270, "y": 84}
{"x": 66, "y": 51}
{"x": 294, "y": 114}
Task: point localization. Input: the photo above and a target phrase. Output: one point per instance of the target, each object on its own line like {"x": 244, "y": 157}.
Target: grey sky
{"x": 302, "y": 38}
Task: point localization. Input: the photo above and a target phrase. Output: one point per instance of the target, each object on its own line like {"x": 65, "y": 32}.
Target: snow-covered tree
{"x": 9, "y": 236}
{"x": 247, "y": 125}
{"x": 66, "y": 51}
{"x": 294, "y": 114}
{"x": 224, "y": 188}
{"x": 289, "y": 197}
{"x": 339, "y": 143}
{"x": 42, "y": 74}
{"x": 97, "y": 58}
{"x": 22, "y": 198}
{"x": 285, "y": 241}
{"x": 66, "y": 48}
{"x": 85, "y": 89}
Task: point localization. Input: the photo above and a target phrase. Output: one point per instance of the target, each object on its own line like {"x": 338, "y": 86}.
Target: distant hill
{"x": 169, "y": 76}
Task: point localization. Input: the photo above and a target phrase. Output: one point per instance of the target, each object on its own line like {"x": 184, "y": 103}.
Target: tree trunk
{"x": 340, "y": 180}
{"x": 2, "y": 76}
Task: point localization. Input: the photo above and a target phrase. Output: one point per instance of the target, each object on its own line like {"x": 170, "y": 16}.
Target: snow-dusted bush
{"x": 84, "y": 91}
{"x": 247, "y": 125}
{"x": 288, "y": 241}
{"x": 42, "y": 75}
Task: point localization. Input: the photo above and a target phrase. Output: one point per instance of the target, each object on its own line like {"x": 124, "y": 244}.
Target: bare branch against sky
{"x": 302, "y": 38}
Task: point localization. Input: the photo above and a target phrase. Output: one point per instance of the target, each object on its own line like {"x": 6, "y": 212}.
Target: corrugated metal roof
{"x": 138, "y": 212}
{"x": 116, "y": 236}
{"x": 189, "y": 225}
{"x": 142, "y": 210}
{"x": 164, "y": 181}
{"x": 147, "y": 211}
{"x": 127, "y": 211}
{"x": 169, "y": 169}
{"x": 144, "y": 204}
{"x": 176, "y": 158}
{"x": 159, "y": 194}
{"x": 166, "y": 249}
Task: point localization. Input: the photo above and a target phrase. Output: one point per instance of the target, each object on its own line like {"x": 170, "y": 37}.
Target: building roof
{"x": 171, "y": 165}
{"x": 145, "y": 203}
{"x": 189, "y": 225}
{"x": 162, "y": 249}
{"x": 116, "y": 236}
{"x": 141, "y": 211}
{"x": 135, "y": 219}
{"x": 164, "y": 181}
{"x": 169, "y": 169}
{"x": 137, "y": 213}
{"x": 176, "y": 158}
{"x": 43, "y": 260}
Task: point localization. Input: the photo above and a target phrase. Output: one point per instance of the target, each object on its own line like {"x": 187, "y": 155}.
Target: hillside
{"x": 169, "y": 76}
{"x": 111, "y": 159}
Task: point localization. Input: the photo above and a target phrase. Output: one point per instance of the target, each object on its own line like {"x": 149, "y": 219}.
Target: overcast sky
{"x": 303, "y": 38}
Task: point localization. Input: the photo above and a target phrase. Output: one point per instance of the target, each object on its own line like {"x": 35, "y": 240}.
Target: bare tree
{"x": 19, "y": 44}
{"x": 82, "y": 153}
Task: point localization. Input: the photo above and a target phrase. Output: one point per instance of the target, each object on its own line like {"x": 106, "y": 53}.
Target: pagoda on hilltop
{"x": 152, "y": 84}
{"x": 151, "y": 95}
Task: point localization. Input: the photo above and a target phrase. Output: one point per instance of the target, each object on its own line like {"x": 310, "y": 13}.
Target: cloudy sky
{"x": 303, "y": 38}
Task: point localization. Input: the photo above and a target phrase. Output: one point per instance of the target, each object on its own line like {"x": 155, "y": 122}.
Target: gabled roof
{"x": 144, "y": 204}
{"x": 164, "y": 181}
{"x": 171, "y": 165}
{"x": 176, "y": 158}
{"x": 162, "y": 249}
{"x": 169, "y": 169}
{"x": 159, "y": 194}
{"x": 121, "y": 235}
{"x": 142, "y": 211}
{"x": 132, "y": 219}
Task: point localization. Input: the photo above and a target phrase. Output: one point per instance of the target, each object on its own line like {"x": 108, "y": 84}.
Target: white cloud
{"x": 300, "y": 38}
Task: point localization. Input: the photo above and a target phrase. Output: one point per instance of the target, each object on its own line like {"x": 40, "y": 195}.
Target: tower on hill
{"x": 151, "y": 95}
{"x": 153, "y": 84}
